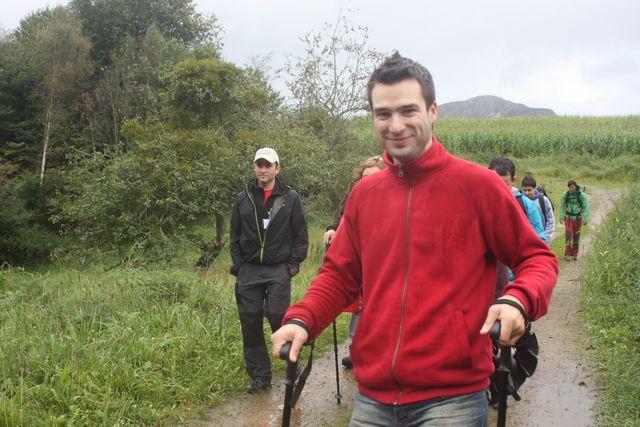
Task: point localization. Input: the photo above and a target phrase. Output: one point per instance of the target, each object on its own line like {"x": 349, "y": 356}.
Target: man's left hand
{"x": 511, "y": 320}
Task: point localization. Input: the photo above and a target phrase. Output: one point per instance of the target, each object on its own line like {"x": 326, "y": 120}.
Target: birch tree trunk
{"x": 45, "y": 139}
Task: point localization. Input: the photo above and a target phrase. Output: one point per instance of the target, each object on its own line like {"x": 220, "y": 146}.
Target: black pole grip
{"x": 494, "y": 332}
{"x": 285, "y": 350}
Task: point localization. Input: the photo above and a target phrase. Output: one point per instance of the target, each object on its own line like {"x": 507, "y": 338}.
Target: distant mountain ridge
{"x": 488, "y": 106}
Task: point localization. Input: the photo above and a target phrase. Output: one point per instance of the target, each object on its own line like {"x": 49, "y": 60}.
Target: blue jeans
{"x": 469, "y": 410}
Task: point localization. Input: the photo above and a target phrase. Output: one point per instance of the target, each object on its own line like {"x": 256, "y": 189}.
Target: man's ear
{"x": 433, "y": 110}
{"x": 277, "y": 168}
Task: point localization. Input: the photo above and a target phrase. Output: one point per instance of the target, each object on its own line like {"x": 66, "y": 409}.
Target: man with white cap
{"x": 268, "y": 242}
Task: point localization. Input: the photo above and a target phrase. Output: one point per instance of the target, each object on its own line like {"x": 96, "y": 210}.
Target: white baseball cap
{"x": 269, "y": 154}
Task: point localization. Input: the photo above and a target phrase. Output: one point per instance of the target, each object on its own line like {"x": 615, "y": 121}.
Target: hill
{"x": 488, "y": 106}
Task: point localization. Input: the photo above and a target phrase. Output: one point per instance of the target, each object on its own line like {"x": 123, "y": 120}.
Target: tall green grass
{"x": 611, "y": 311}
{"x": 125, "y": 346}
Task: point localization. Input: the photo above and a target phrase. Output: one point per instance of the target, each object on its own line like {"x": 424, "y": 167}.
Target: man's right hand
{"x": 293, "y": 333}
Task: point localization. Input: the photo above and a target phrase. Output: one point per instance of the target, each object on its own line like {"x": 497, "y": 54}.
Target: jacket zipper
{"x": 255, "y": 214}
{"x": 404, "y": 288}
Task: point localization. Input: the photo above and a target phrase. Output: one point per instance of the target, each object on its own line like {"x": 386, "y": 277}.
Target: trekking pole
{"x": 290, "y": 383}
{"x": 335, "y": 352}
{"x": 502, "y": 375}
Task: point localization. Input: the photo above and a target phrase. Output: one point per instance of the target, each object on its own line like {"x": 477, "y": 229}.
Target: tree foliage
{"x": 143, "y": 199}
{"x": 20, "y": 127}
{"x": 63, "y": 53}
{"x": 109, "y": 22}
{"x": 22, "y": 237}
{"x": 201, "y": 92}
{"x": 329, "y": 82}
{"x": 334, "y": 72}
{"x": 146, "y": 132}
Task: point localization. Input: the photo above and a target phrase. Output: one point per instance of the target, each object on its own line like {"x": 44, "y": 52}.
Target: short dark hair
{"x": 397, "y": 68}
{"x": 572, "y": 182}
{"x": 503, "y": 166}
{"x": 529, "y": 181}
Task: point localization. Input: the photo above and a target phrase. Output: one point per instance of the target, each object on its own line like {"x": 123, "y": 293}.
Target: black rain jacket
{"x": 285, "y": 240}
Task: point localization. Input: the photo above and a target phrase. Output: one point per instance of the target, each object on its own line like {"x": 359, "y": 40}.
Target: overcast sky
{"x": 577, "y": 57}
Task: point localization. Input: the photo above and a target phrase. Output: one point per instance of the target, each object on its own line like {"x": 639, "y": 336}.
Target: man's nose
{"x": 397, "y": 124}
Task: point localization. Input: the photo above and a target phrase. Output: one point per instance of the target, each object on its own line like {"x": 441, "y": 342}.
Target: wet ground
{"x": 561, "y": 393}
{"x": 563, "y": 390}
{"x": 317, "y": 405}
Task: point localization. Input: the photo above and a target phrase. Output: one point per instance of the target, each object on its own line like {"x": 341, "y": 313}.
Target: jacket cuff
{"x": 523, "y": 298}
{"x": 234, "y": 270}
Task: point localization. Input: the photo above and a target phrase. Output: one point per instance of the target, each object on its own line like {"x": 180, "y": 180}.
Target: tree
{"x": 63, "y": 53}
{"x": 201, "y": 92}
{"x": 329, "y": 82}
{"x": 334, "y": 73}
{"x": 20, "y": 133}
{"x": 22, "y": 238}
{"x": 109, "y": 22}
{"x": 141, "y": 203}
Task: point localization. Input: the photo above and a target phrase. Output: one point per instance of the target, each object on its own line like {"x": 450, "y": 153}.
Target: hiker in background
{"x": 574, "y": 213}
{"x": 268, "y": 242}
{"x": 422, "y": 249}
{"x": 542, "y": 202}
{"x": 507, "y": 171}
{"x": 544, "y": 192}
{"x": 368, "y": 167}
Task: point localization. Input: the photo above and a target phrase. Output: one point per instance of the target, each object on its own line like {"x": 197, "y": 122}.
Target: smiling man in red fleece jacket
{"x": 424, "y": 249}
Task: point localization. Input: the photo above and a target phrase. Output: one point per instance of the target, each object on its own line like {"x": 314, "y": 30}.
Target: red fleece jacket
{"x": 423, "y": 239}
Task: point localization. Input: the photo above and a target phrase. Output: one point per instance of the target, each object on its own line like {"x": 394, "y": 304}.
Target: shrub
{"x": 23, "y": 239}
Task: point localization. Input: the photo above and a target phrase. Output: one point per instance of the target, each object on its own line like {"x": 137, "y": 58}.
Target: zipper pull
{"x": 400, "y": 172}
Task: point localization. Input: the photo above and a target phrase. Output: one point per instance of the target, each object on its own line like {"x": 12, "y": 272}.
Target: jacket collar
{"x": 279, "y": 188}
{"x": 428, "y": 162}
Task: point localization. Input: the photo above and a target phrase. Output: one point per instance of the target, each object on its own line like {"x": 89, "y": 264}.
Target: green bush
{"x": 140, "y": 204}
{"x": 141, "y": 201}
{"x": 23, "y": 238}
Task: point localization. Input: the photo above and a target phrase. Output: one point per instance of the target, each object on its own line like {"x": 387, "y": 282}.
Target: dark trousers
{"x": 572, "y": 236}
{"x": 261, "y": 291}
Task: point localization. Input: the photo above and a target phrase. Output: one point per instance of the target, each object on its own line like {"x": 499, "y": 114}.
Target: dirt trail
{"x": 563, "y": 390}
{"x": 317, "y": 405}
{"x": 561, "y": 393}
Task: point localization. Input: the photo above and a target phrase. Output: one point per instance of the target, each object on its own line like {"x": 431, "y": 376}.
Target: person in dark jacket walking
{"x": 269, "y": 240}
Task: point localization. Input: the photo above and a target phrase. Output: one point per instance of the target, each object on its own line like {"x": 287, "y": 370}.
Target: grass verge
{"x": 126, "y": 346}
{"x": 611, "y": 313}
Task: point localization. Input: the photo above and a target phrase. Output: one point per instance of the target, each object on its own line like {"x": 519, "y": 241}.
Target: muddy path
{"x": 561, "y": 393}
{"x": 317, "y": 405}
{"x": 563, "y": 390}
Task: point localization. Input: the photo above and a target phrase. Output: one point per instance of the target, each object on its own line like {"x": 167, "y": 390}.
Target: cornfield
{"x": 520, "y": 137}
